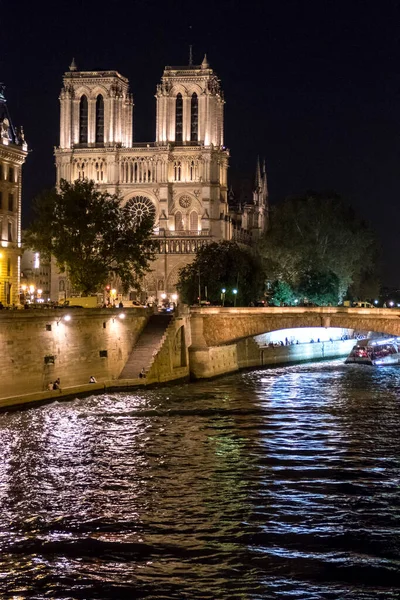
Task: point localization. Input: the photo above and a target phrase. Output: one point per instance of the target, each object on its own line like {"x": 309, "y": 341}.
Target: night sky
{"x": 312, "y": 86}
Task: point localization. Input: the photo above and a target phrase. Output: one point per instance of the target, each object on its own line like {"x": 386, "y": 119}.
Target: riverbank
{"x": 270, "y": 357}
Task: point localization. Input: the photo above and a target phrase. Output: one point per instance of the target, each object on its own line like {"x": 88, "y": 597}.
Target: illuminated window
{"x": 178, "y": 118}
{"x": 194, "y": 118}
{"x": 83, "y": 120}
{"x": 36, "y": 262}
{"x": 99, "y": 120}
{"x": 178, "y": 221}
{"x": 10, "y": 202}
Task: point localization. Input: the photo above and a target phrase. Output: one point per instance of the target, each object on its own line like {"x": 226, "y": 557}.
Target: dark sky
{"x": 312, "y": 86}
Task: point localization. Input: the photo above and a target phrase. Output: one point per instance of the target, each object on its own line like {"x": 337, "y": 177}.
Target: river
{"x": 281, "y": 483}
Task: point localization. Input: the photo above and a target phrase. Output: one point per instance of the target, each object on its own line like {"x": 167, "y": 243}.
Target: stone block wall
{"x": 37, "y": 346}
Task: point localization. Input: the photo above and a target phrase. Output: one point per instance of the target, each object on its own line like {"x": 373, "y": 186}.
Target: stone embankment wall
{"x": 211, "y": 362}
{"x": 37, "y": 346}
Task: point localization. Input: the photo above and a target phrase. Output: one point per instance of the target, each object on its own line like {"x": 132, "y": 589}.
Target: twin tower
{"x": 180, "y": 179}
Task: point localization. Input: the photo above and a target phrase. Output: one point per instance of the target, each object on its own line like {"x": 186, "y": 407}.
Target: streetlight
{"x": 223, "y": 296}
{"x": 234, "y": 292}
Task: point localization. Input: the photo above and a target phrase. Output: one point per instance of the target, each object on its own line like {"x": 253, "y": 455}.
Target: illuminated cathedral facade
{"x": 180, "y": 179}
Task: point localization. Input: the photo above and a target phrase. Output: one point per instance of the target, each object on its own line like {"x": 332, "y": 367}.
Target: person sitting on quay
{"x": 50, "y": 386}
{"x": 142, "y": 373}
{"x": 92, "y": 379}
{"x": 56, "y": 384}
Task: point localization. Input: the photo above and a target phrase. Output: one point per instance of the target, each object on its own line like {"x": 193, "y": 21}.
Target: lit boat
{"x": 375, "y": 351}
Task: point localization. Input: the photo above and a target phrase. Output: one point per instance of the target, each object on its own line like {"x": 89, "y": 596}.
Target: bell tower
{"x": 96, "y": 109}
{"x": 190, "y": 106}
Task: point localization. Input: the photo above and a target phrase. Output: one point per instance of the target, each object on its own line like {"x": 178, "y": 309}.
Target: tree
{"x": 223, "y": 265}
{"x": 91, "y": 235}
{"x": 319, "y": 287}
{"x": 282, "y": 294}
{"x": 317, "y": 234}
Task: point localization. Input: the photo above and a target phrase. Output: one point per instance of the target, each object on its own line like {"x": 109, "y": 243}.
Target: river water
{"x": 280, "y": 483}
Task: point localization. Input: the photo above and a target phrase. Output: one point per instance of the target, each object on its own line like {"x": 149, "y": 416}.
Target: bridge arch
{"x": 216, "y": 326}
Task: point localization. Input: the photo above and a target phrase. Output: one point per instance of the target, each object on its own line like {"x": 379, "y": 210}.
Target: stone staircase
{"x": 147, "y": 346}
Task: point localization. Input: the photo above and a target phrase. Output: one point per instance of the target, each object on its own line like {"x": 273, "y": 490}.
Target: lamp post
{"x": 234, "y": 292}
{"x": 223, "y": 296}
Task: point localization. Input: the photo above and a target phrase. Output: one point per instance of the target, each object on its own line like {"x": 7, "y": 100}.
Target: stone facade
{"x": 13, "y": 151}
{"x": 180, "y": 178}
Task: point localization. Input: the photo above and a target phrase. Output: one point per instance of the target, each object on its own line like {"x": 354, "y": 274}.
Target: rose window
{"x": 141, "y": 207}
{"x": 185, "y": 201}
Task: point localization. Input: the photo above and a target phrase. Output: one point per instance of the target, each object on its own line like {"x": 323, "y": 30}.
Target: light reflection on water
{"x": 281, "y": 483}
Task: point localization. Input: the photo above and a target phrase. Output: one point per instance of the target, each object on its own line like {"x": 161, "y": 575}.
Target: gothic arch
{"x": 99, "y": 89}
{"x": 172, "y": 278}
{"x": 83, "y": 90}
{"x": 194, "y": 88}
{"x": 178, "y": 88}
{"x": 195, "y": 204}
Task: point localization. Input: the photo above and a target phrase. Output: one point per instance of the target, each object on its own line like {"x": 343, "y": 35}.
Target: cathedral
{"x": 13, "y": 152}
{"x": 180, "y": 179}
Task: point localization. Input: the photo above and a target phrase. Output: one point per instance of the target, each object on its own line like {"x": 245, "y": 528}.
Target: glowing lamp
{"x": 121, "y": 315}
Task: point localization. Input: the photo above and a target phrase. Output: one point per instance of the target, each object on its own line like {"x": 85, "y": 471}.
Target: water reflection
{"x": 271, "y": 484}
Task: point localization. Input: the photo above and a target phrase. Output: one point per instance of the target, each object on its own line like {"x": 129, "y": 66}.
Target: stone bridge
{"x": 222, "y": 338}
{"x": 219, "y": 326}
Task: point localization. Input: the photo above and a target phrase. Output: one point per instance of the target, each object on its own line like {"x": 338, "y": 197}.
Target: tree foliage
{"x": 91, "y": 235}
{"x": 222, "y": 265}
{"x": 315, "y": 235}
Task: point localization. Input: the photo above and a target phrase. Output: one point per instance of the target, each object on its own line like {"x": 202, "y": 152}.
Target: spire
{"x": 190, "y": 55}
{"x": 204, "y": 64}
{"x": 264, "y": 180}
{"x": 72, "y": 66}
{"x": 258, "y": 175}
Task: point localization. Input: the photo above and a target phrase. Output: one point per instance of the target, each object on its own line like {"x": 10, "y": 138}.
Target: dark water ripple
{"x": 279, "y": 484}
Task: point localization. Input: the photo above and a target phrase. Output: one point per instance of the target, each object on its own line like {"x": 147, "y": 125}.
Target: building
{"x": 35, "y": 277}
{"x": 13, "y": 152}
{"x": 180, "y": 179}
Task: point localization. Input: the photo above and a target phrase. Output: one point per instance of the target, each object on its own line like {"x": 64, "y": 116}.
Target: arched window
{"x": 178, "y": 221}
{"x": 177, "y": 170}
{"x": 178, "y": 118}
{"x": 83, "y": 120}
{"x": 194, "y": 221}
{"x": 192, "y": 170}
{"x": 99, "y": 119}
{"x": 61, "y": 285}
{"x": 194, "y": 118}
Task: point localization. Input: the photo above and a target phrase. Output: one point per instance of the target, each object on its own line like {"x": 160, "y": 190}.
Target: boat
{"x": 375, "y": 351}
